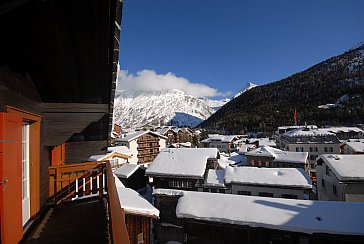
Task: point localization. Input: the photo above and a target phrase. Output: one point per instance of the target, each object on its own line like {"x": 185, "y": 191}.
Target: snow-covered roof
{"x": 120, "y": 149}
{"x": 246, "y": 148}
{"x": 167, "y": 192}
{"x": 182, "y": 162}
{"x": 303, "y": 216}
{"x": 215, "y": 178}
{"x": 232, "y": 159}
{"x": 137, "y": 134}
{"x": 95, "y": 158}
{"x": 126, "y": 170}
{"x": 296, "y": 126}
{"x": 267, "y": 142}
{"x": 162, "y": 131}
{"x": 345, "y": 167}
{"x": 308, "y": 132}
{"x": 219, "y": 138}
{"x": 133, "y": 203}
{"x": 285, "y": 177}
{"x": 342, "y": 129}
{"x": 279, "y": 155}
{"x": 356, "y": 146}
{"x": 102, "y": 157}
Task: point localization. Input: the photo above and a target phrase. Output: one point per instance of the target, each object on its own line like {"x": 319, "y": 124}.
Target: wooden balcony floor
{"x": 83, "y": 221}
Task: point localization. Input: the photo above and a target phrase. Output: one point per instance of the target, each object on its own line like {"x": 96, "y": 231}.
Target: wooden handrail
{"x": 76, "y": 180}
{"x": 119, "y": 232}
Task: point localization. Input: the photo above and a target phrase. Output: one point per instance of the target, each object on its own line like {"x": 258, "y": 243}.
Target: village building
{"x": 266, "y": 156}
{"x": 313, "y": 141}
{"x": 184, "y": 135}
{"x": 144, "y": 145}
{"x": 340, "y": 177}
{"x": 214, "y": 182}
{"x": 182, "y": 168}
{"x": 283, "y": 129}
{"x": 353, "y": 146}
{"x": 139, "y": 215}
{"x": 168, "y": 227}
{"x": 116, "y": 159}
{"x": 268, "y": 182}
{"x": 132, "y": 176}
{"x": 226, "y": 218}
{"x": 169, "y": 132}
{"x": 222, "y": 142}
{"x": 345, "y": 133}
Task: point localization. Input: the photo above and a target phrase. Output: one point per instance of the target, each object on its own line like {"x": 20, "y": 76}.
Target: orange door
{"x": 10, "y": 178}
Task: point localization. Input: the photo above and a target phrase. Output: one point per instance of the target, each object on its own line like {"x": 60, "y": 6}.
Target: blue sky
{"x": 225, "y": 44}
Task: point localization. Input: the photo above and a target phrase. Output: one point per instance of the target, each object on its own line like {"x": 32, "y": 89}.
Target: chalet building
{"x": 144, "y": 145}
{"x": 170, "y": 133}
{"x": 340, "y": 178}
{"x": 184, "y": 135}
{"x": 268, "y": 182}
{"x": 215, "y": 182}
{"x": 58, "y": 67}
{"x": 139, "y": 215}
{"x": 226, "y": 218}
{"x": 168, "y": 227}
{"x": 182, "y": 168}
{"x": 313, "y": 141}
{"x": 116, "y": 159}
{"x": 353, "y": 146}
{"x": 221, "y": 142}
{"x": 132, "y": 176}
{"x": 266, "y": 156}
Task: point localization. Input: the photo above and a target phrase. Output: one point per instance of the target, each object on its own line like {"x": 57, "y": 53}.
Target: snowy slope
{"x": 136, "y": 109}
{"x": 214, "y": 104}
{"x": 248, "y": 86}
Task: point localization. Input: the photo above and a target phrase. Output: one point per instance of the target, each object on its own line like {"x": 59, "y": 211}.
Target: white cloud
{"x": 149, "y": 80}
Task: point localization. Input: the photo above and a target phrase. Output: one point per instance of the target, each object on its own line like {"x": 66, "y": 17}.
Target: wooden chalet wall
{"x": 139, "y": 228}
{"x": 148, "y": 148}
{"x": 58, "y": 63}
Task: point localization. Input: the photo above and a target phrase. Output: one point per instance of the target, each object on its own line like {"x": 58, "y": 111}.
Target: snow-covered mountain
{"x": 174, "y": 107}
{"x": 248, "y": 86}
{"x": 214, "y": 104}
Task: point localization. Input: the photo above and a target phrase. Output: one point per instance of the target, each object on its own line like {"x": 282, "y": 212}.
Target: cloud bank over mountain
{"x": 149, "y": 80}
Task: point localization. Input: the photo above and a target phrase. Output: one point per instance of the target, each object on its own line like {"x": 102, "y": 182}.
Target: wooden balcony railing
{"x": 67, "y": 182}
{"x": 76, "y": 180}
{"x": 119, "y": 232}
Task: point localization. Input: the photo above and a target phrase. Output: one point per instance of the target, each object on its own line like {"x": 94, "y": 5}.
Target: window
{"x": 327, "y": 170}
{"x": 221, "y": 191}
{"x": 323, "y": 183}
{"x": 328, "y": 149}
{"x": 299, "y": 149}
{"x": 213, "y": 190}
{"x": 180, "y": 184}
{"x": 289, "y": 196}
{"x": 334, "y": 190}
{"x": 313, "y": 149}
{"x": 247, "y": 193}
{"x": 265, "y": 194}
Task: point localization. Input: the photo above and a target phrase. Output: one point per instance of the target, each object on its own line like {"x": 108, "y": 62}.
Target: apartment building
{"x": 268, "y": 182}
{"x": 340, "y": 178}
{"x": 313, "y": 141}
{"x": 222, "y": 142}
{"x": 266, "y": 156}
{"x": 144, "y": 145}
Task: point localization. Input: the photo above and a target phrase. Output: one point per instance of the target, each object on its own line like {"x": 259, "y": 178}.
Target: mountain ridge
{"x": 268, "y": 106}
